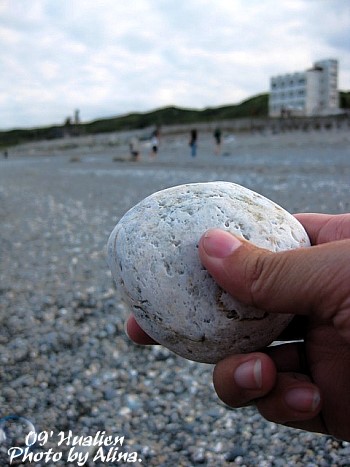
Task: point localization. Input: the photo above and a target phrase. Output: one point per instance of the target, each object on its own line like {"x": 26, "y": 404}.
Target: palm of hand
{"x": 323, "y": 358}
{"x": 329, "y": 369}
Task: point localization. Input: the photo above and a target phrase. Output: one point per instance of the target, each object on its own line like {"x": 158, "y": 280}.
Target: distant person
{"x": 154, "y": 144}
{"x": 134, "y": 149}
{"x": 217, "y": 137}
{"x": 193, "y": 142}
{"x": 6, "y": 154}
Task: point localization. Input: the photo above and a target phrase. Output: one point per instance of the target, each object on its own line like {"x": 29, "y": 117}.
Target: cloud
{"x": 109, "y": 58}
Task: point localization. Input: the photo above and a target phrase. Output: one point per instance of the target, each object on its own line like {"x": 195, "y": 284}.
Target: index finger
{"x": 134, "y": 331}
{"x": 324, "y": 228}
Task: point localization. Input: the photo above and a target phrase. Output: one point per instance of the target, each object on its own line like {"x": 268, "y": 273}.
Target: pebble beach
{"x": 66, "y": 365}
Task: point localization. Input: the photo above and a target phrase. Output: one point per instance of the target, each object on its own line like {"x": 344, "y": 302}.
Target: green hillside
{"x": 344, "y": 100}
{"x": 256, "y": 106}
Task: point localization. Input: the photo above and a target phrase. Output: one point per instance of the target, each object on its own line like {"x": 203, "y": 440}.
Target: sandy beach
{"x": 66, "y": 364}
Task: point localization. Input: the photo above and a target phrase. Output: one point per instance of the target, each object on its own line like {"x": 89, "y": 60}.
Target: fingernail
{"x": 303, "y": 399}
{"x": 248, "y": 375}
{"x": 219, "y": 244}
{"x": 126, "y": 328}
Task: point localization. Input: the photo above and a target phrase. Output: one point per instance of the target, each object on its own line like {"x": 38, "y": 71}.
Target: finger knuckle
{"x": 260, "y": 275}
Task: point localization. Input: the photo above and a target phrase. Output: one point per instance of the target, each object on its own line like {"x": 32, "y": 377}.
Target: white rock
{"x": 152, "y": 253}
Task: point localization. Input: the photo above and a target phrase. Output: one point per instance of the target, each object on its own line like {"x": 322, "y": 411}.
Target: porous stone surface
{"x": 153, "y": 256}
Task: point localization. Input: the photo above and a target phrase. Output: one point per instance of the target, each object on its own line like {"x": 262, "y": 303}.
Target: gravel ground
{"x": 65, "y": 361}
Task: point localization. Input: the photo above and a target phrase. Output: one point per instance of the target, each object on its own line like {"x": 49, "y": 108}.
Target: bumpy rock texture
{"x": 152, "y": 253}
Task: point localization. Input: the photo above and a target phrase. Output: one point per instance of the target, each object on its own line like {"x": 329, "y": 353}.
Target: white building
{"x": 307, "y": 93}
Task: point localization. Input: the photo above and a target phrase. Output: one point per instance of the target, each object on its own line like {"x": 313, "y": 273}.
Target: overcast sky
{"x": 111, "y": 57}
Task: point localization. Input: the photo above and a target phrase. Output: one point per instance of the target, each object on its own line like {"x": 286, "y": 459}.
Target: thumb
{"x": 311, "y": 281}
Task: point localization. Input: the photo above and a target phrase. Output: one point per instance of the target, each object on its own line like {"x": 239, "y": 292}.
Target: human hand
{"x": 306, "y": 384}
{"x": 302, "y": 384}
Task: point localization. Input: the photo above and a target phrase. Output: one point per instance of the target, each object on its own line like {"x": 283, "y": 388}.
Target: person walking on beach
{"x": 217, "y": 137}
{"x": 154, "y": 144}
{"x": 134, "y": 149}
{"x": 193, "y": 142}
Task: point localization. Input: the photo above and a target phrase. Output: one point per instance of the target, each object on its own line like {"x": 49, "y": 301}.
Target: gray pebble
{"x": 153, "y": 257}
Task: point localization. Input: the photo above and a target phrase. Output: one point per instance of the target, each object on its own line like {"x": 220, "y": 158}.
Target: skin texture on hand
{"x": 302, "y": 384}
{"x": 305, "y": 385}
